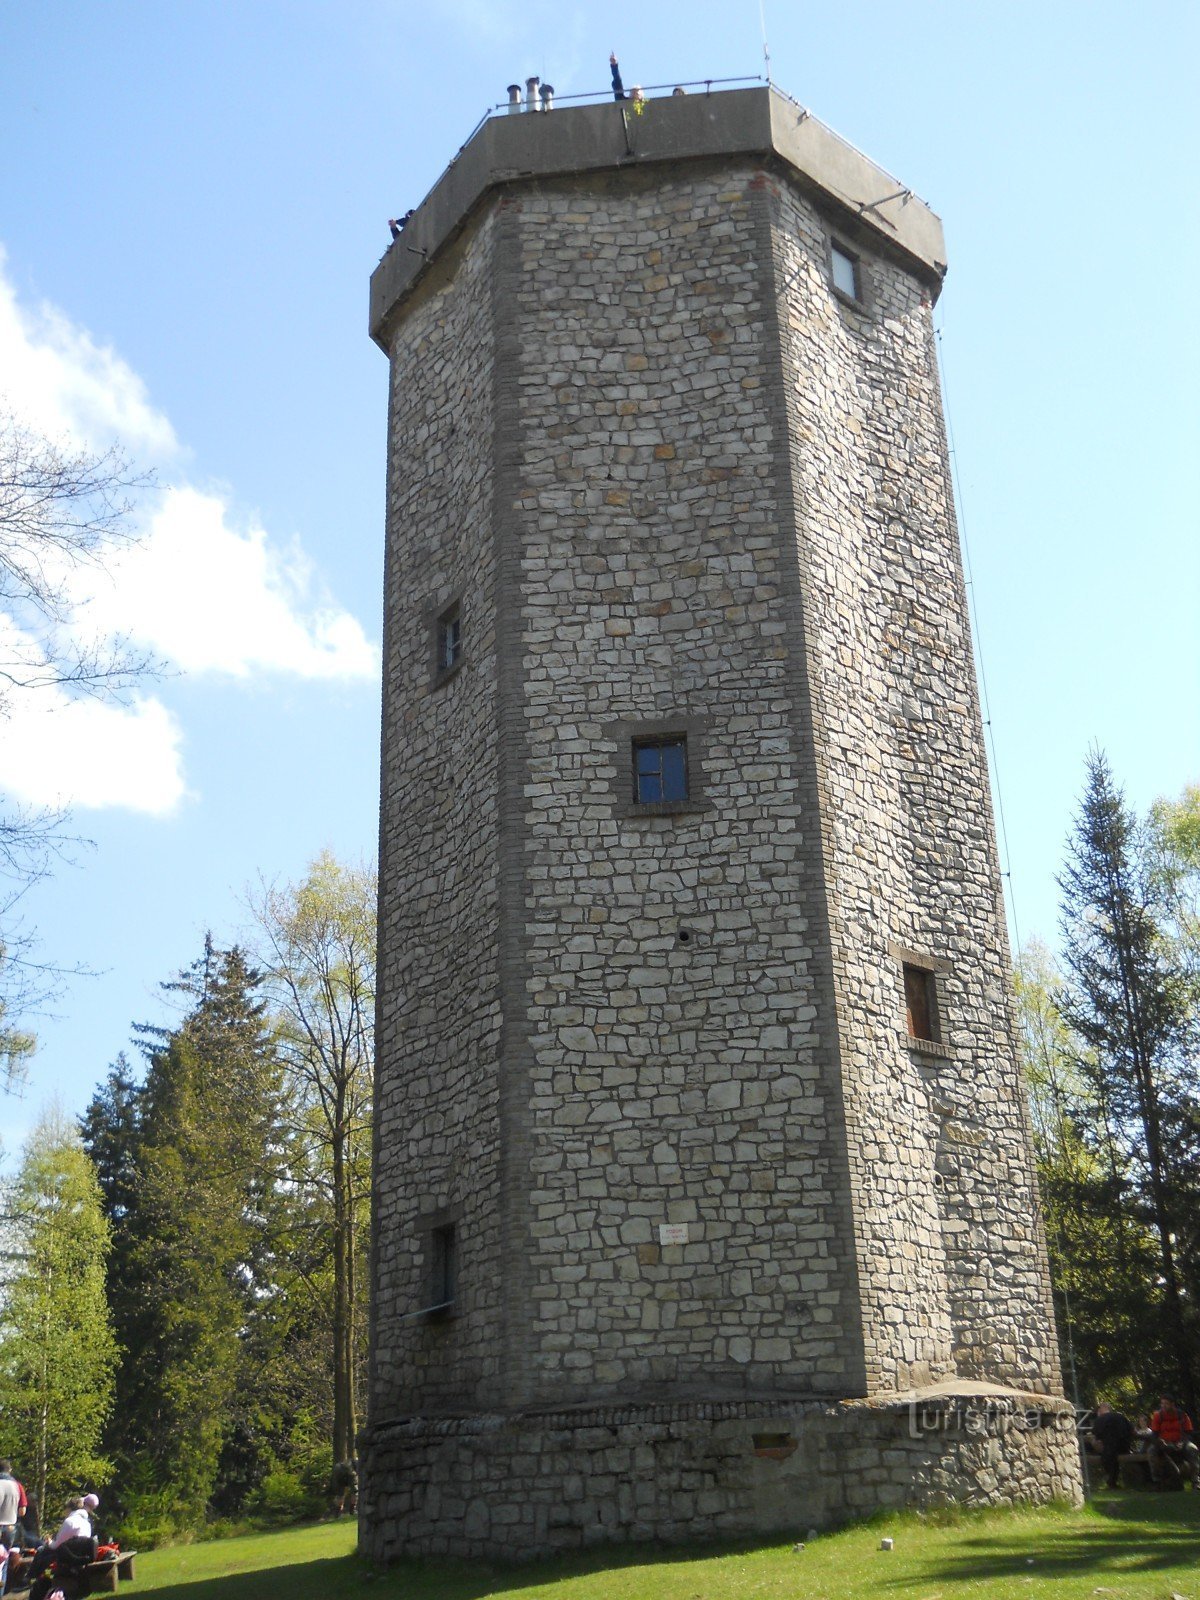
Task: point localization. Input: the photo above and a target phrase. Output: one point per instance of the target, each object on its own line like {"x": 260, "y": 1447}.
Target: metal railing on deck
{"x": 526, "y": 107}
{"x": 503, "y": 108}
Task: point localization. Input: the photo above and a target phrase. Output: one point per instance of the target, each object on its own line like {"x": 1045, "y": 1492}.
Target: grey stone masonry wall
{"x": 943, "y": 1176}
{"x": 437, "y": 1157}
{"x": 650, "y": 1062}
{"x": 672, "y": 1083}
{"x": 678, "y": 1473}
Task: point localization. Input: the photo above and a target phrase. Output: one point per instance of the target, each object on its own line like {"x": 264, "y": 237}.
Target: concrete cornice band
{"x": 597, "y": 138}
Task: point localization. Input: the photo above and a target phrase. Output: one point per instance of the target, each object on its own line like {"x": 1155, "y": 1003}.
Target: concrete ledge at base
{"x": 530, "y": 1484}
{"x": 963, "y": 1395}
{"x": 734, "y": 122}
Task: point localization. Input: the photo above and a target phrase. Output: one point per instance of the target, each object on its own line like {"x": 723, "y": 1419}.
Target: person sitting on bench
{"x": 1111, "y": 1437}
{"x": 76, "y": 1526}
{"x": 1172, "y": 1452}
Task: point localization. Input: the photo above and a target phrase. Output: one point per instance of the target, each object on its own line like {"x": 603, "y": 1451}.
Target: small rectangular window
{"x": 845, "y": 272}
{"x": 660, "y": 770}
{"x": 443, "y": 1267}
{"x": 449, "y": 638}
{"x": 920, "y": 1003}
{"x": 656, "y": 767}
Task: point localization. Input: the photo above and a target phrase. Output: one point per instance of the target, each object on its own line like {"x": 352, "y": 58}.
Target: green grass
{"x": 1120, "y": 1547}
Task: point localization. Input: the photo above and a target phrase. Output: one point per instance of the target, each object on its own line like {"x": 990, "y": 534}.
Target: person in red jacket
{"x": 1172, "y": 1451}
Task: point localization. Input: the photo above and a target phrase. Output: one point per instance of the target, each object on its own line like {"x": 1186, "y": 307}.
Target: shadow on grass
{"x": 1124, "y": 1536}
{"x": 350, "y": 1578}
{"x": 1115, "y": 1537}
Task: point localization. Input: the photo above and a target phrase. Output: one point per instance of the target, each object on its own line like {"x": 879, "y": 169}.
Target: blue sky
{"x": 192, "y": 197}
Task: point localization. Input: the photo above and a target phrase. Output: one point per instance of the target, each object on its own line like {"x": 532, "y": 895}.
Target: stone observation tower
{"x": 704, "y": 1200}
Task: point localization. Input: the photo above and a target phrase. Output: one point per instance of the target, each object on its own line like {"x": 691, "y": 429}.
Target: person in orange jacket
{"x": 1173, "y": 1453}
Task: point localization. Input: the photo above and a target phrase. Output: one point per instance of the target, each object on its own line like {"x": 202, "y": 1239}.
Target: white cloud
{"x": 57, "y": 751}
{"x": 204, "y": 590}
{"x": 212, "y": 598}
{"x": 89, "y": 754}
{"x": 63, "y": 384}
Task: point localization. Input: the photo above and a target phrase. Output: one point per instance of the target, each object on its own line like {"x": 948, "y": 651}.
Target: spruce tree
{"x": 1101, "y": 1257}
{"x": 1127, "y": 1005}
{"x": 196, "y": 1219}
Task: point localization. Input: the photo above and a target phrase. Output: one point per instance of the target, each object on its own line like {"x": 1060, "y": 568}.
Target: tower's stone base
{"x": 523, "y": 1485}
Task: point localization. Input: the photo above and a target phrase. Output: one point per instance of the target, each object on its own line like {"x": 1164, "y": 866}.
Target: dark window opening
{"x": 449, "y": 638}
{"x": 443, "y": 1263}
{"x": 920, "y": 1003}
{"x": 845, "y": 271}
{"x": 660, "y": 770}
{"x": 774, "y": 1446}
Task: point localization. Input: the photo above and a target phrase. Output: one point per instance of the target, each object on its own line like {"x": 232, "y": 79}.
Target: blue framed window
{"x": 660, "y": 770}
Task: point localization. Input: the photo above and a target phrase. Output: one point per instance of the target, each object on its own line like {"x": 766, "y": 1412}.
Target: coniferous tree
{"x": 111, "y": 1129}
{"x": 1128, "y": 1006}
{"x": 192, "y": 1168}
{"x": 1101, "y": 1257}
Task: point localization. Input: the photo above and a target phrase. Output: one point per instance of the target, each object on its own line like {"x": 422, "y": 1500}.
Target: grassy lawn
{"x": 1124, "y": 1547}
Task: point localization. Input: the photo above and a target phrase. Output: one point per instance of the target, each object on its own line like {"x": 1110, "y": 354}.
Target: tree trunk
{"x": 343, "y": 1348}
{"x": 1148, "y": 1098}
{"x": 42, "y": 1466}
{"x": 43, "y": 1438}
{"x": 352, "y": 1304}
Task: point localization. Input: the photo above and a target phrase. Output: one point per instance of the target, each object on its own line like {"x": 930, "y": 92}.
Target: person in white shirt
{"x": 77, "y": 1524}
{"x": 10, "y": 1504}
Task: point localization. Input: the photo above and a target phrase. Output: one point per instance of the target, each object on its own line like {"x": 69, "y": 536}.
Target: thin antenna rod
{"x": 762, "y": 18}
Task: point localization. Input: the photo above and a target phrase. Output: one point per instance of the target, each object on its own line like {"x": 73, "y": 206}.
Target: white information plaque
{"x": 672, "y": 1233}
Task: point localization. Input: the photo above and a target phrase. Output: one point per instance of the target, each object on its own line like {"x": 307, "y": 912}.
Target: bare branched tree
{"x": 62, "y": 510}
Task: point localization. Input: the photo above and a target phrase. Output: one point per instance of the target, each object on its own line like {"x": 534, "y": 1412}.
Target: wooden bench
{"x": 103, "y": 1576}
{"x": 1134, "y": 1471}
{"x": 100, "y": 1577}
{"x": 19, "y": 1563}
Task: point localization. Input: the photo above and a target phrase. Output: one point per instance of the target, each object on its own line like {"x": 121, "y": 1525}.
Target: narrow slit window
{"x": 660, "y": 770}
{"x": 845, "y": 272}
{"x": 443, "y": 1267}
{"x": 449, "y": 638}
{"x": 920, "y": 1005}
